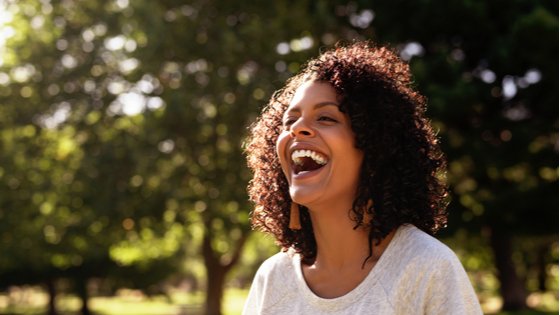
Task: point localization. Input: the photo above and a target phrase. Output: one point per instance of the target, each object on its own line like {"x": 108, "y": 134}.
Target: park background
{"x": 122, "y": 175}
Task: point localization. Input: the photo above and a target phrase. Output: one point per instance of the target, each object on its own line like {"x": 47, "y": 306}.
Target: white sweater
{"x": 416, "y": 274}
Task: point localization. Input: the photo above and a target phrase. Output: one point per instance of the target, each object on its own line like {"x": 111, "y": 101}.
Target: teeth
{"x": 298, "y": 154}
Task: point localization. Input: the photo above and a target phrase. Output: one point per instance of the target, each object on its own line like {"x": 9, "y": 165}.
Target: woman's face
{"x": 316, "y": 148}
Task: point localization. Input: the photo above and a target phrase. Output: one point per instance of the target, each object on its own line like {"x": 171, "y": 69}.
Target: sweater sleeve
{"x": 253, "y": 302}
{"x": 270, "y": 285}
{"x": 425, "y": 276}
{"x": 450, "y": 291}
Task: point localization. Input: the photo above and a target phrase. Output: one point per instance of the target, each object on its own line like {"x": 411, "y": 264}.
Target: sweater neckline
{"x": 367, "y": 283}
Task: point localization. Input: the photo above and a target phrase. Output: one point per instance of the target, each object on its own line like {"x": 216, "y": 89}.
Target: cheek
{"x": 354, "y": 155}
{"x": 281, "y": 146}
{"x": 360, "y": 159}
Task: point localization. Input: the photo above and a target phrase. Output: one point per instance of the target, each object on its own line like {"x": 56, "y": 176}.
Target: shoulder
{"x": 416, "y": 258}
{"x": 274, "y": 282}
{"x": 426, "y": 273}
{"x": 421, "y": 248}
{"x": 278, "y": 270}
{"x": 277, "y": 265}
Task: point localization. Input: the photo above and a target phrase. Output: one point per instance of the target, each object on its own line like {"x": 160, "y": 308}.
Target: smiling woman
{"x": 317, "y": 150}
{"x": 347, "y": 177}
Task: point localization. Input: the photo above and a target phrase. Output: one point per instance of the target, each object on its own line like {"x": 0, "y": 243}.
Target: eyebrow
{"x": 316, "y": 106}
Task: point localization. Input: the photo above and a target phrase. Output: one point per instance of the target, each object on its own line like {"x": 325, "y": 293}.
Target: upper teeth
{"x": 298, "y": 154}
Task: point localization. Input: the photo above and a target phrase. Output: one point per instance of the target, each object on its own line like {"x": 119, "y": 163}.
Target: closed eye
{"x": 327, "y": 118}
{"x": 288, "y": 122}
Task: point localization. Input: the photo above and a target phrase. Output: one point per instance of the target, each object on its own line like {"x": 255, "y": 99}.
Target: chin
{"x": 303, "y": 196}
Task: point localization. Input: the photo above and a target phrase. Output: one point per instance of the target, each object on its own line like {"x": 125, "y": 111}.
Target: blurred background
{"x": 122, "y": 176}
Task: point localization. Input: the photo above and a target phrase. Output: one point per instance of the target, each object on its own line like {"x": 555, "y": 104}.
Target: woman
{"x": 348, "y": 179}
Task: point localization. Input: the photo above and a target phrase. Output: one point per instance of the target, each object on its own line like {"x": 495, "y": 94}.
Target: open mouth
{"x": 307, "y": 161}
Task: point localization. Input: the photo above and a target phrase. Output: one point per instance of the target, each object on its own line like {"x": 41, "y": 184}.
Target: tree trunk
{"x": 512, "y": 288}
{"x": 83, "y": 294}
{"x": 541, "y": 266}
{"x": 214, "y": 290}
{"x": 51, "y": 289}
{"x": 216, "y": 271}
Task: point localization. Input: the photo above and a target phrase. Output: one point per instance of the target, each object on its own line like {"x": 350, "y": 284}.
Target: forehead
{"x": 313, "y": 92}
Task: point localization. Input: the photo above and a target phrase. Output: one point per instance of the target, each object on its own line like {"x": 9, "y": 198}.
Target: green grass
{"x": 33, "y": 302}
{"x": 527, "y": 312}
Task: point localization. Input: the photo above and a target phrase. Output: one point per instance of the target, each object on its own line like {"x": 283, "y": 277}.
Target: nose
{"x": 300, "y": 128}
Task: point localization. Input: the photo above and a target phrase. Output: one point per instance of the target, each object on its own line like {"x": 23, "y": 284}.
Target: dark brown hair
{"x": 403, "y": 167}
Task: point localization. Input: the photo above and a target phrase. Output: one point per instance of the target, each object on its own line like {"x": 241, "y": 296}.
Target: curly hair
{"x": 403, "y": 168}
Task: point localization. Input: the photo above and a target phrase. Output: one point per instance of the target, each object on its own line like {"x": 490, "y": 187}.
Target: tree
{"x": 491, "y": 85}
{"x": 154, "y": 128}
{"x": 72, "y": 201}
{"x": 122, "y": 123}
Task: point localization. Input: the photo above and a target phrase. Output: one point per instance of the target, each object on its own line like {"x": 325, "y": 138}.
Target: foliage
{"x": 122, "y": 123}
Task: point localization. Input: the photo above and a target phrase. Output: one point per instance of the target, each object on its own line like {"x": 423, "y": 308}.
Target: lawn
{"x": 32, "y": 301}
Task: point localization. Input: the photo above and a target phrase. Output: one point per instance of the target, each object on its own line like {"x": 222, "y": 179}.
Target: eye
{"x": 288, "y": 121}
{"x": 327, "y": 118}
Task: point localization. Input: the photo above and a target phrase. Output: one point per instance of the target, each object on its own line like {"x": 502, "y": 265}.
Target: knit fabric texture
{"x": 417, "y": 274}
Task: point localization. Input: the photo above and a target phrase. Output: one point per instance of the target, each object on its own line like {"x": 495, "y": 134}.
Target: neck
{"x": 339, "y": 245}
